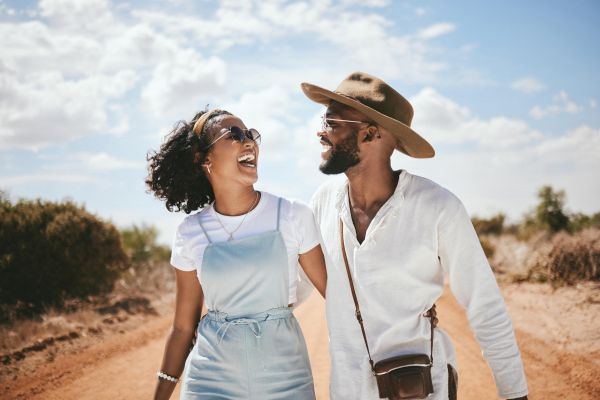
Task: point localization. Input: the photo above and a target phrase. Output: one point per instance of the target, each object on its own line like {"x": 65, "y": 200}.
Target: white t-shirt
{"x": 297, "y": 226}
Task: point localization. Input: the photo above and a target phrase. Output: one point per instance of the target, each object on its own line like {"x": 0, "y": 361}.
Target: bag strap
{"x": 357, "y": 308}
{"x": 357, "y": 313}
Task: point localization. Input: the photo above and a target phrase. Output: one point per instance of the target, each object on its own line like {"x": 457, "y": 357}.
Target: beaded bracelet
{"x": 162, "y": 375}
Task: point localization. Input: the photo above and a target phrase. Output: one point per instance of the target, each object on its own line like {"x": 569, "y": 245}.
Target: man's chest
{"x": 392, "y": 248}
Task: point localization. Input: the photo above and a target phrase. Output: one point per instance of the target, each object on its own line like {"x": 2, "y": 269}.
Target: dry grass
{"x": 133, "y": 294}
{"x": 559, "y": 259}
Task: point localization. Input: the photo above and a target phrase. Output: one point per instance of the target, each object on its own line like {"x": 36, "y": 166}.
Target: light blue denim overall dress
{"x": 249, "y": 345}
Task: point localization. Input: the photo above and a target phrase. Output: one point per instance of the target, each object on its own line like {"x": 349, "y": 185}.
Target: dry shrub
{"x": 562, "y": 258}
{"x": 570, "y": 258}
{"x": 487, "y": 246}
{"x": 510, "y": 259}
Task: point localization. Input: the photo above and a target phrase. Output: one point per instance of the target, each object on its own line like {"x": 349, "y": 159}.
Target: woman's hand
{"x": 313, "y": 264}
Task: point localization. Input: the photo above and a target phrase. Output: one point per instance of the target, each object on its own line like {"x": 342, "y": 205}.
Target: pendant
{"x": 230, "y": 237}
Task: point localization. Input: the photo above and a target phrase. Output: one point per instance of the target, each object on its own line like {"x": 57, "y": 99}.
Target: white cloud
{"x": 24, "y": 179}
{"x": 560, "y": 103}
{"x": 446, "y": 122}
{"x": 353, "y": 37}
{"x": 69, "y": 73}
{"x": 71, "y": 67}
{"x": 577, "y": 146}
{"x": 76, "y": 15}
{"x": 468, "y": 48}
{"x": 502, "y": 155}
{"x": 4, "y": 9}
{"x": 365, "y": 3}
{"x": 527, "y": 85}
{"x": 182, "y": 81}
{"x": 267, "y": 111}
{"x": 104, "y": 162}
{"x": 420, "y": 11}
{"x": 437, "y": 30}
{"x": 593, "y": 103}
{"x": 76, "y": 168}
{"x": 45, "y": 108}
{"x": 539, "y": 112}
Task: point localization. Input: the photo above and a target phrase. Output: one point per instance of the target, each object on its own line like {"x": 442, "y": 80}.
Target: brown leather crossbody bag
{"x": 401, "y": 377}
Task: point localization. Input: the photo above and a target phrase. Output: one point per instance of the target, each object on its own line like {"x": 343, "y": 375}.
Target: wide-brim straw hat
{"x": 379, "y": 102}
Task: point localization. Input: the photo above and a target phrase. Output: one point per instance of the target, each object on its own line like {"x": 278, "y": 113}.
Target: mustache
{"x": 324, "y": 139}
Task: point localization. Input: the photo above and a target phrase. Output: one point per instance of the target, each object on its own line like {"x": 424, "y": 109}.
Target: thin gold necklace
{"x": 243, "y": 219}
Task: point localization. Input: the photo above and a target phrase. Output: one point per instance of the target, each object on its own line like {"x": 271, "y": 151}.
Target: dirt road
{"x": 124, "y": 366}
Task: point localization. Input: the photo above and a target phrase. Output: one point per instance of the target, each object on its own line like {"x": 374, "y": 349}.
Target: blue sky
{"x": 507, "y": 92}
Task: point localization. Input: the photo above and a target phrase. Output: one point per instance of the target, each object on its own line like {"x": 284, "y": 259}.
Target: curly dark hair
{"x": 175, "y": 172}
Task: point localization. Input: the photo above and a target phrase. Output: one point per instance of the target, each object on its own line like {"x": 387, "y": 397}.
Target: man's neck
{"x": 371, "y": 186}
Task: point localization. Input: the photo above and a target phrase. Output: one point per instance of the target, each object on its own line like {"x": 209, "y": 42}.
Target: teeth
{"x": 246, "y": 157}
{"x": 326, "y": 147}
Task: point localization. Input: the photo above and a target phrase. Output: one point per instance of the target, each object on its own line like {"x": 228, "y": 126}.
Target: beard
{"x": 343, "y": 156}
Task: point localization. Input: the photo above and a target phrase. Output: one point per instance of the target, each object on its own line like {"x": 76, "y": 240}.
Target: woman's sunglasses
{"x": 239, "y": 135}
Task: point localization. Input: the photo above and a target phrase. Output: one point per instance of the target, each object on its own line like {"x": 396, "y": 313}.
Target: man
{"x": 401, "y": 234}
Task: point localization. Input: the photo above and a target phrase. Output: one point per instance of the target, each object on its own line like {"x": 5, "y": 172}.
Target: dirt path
{"x": 124, "y": 366}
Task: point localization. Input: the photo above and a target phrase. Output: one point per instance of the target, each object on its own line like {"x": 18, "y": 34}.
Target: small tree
{"x": 549, "y": 213}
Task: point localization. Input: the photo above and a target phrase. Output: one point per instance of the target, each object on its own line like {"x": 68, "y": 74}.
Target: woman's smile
{"x": 247, "y": 160}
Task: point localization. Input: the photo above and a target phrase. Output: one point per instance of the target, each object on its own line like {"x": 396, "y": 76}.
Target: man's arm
{"x": 474, "y": 286}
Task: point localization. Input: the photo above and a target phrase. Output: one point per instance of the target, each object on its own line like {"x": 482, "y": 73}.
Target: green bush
{"x": 140, "y": 245}
{"x": 580, "y": 221}
{"x": 490, "y": 226}
{"x": 50, "y": 252}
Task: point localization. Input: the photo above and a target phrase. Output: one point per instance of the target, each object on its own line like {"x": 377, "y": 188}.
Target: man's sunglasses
{"x": 326, "y": 127}
{"x": 239, "y": 135}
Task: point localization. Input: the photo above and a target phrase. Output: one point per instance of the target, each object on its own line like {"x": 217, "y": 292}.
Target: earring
{"x": 208, "y": 168}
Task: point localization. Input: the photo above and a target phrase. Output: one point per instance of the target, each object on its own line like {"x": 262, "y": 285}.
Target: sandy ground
{"x": 561, "y": 361}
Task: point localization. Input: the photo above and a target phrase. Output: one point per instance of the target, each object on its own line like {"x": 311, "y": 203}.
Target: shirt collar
{"x": 341, "y": 200}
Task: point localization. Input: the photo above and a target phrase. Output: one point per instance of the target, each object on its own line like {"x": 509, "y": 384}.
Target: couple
{"x": 388, "y": 238}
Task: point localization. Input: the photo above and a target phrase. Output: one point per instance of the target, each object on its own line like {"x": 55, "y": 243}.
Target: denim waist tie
{"x": 252, "y": 320}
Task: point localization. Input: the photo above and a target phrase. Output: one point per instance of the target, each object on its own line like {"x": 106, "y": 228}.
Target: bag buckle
{"x": 358, "y": 315}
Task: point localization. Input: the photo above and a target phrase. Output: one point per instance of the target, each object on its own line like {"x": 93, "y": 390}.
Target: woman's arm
{"x": 188, "y": 307}
{"x": 313, "y": 264}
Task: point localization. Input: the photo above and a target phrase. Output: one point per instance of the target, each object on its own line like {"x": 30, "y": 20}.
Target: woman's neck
{"x": 235, "y": 200}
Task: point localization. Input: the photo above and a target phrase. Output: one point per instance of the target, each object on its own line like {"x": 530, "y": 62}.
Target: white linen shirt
{"x": 421, "y": 232}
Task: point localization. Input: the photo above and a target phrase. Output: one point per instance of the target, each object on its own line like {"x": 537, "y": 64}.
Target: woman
{"x": 240, "y": 256}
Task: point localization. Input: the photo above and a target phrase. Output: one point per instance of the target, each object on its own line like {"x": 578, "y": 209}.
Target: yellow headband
{"x": 199, "y": 125}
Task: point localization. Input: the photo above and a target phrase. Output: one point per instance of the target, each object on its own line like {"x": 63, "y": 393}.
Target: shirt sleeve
{"x": 305, "y": 227}
{"x": 474, "y": 286}
{"x": 180, "y": 255}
